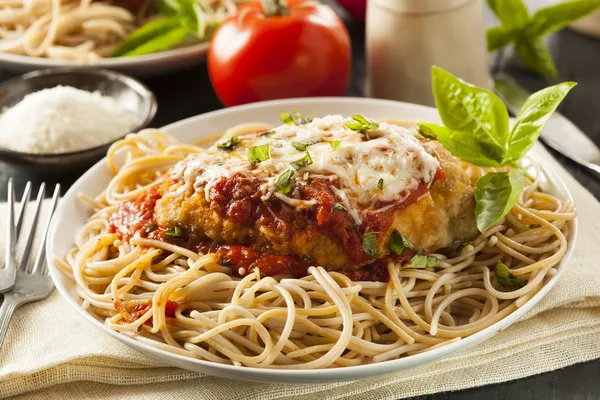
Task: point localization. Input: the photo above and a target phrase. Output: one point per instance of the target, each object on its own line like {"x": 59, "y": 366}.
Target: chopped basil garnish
{"x": 420, "y": 261}
{"x": 284, "y": 181}
{"x": 266, "y": 133}
{"x": 258, "y": 154}
{"x": 506, "y": 278}
{"x": 294, "y": 117}
{"x": 335, "y": 144}
{"x": 173, "y": 232}
{"x": 306, "y": 175}
{"x": 369, "y": 245}
{"x": 380, "y": 184}
{"x": 229, "y": 144}
{"x": 302, "y": 162}
{"x": 362, "y": 125}
{"x": 338, "y": 207}
{"x": 151, "y": 226}
{"x": 398, "y": 243}
{"x": 301, "y": 146}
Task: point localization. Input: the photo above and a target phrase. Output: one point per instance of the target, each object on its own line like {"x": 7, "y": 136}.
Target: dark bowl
{"x": 128, "y": 92}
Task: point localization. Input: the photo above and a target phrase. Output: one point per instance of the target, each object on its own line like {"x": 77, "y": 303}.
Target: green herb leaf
{"x": 506, "y": 278}
{"x": 428, "y": 130}
{"x": 466, "y": 146}
{"x": 305, "y": 176}
{"x": 143, "y": 34}
{"x": 380, "y": 183}
{"x": 362, "y": 125}
{"x": 301, "y": 146}
{"x": 165, "y": 41}
{"x": 535, "y": 55}
{"x": 420, "y": 261}
{"x": 369, "y": 245}
{"x": 294, "y": 117}
{"x": 500, "y": 36}
{"x": 173, "y": 232}
{"x": 302, "y": 162}
{"x": 266, "y": 133}
{"x": 510, "y": 12}
{"x": 533, "y": 116}
{"x": 151, "y": 226}
{"x": 229, "y": 144}
{"x": 287, "y": 118}
{"x": 338, "y": 207}
{"x": 467, "y": 108}
{"x": 398, "y": 243}
{"x": 556, "y": 17}
{"x": 285, "y": 181}
{"x": 496, "y": 194}
{"x": 257, "y": 154}
{"x": 335, "y": 144}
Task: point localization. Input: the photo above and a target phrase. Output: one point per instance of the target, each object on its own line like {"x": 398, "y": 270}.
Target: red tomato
{"x": 356, "y": 8}
{"x": 305, "y": 52}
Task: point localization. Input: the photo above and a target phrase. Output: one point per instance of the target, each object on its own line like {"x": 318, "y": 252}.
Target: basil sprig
{"x": 477, "y": 131}
{"x": 362, "y": 125}
{"x": 506, "y": 279}
{"x": 527, "y": 31}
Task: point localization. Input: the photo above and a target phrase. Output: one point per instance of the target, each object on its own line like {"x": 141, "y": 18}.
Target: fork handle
{"x": 8, "y": 307}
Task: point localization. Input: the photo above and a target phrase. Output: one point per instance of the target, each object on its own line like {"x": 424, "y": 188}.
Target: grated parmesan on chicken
{"x": 62, "y": 119}
{"x": 382, "y": 168}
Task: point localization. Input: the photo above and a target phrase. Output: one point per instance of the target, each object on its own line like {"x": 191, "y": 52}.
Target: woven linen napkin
{"x": 50, "y": 352}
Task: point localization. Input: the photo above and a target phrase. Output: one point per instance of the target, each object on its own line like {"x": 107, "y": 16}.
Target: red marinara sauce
{"x": 134, "y": 216}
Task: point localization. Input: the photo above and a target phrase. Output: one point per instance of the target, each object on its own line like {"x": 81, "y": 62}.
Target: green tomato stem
{"x": 275, "y": 8}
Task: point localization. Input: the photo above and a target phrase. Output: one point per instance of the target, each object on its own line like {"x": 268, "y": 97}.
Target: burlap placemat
{"x": 52, "y": 353}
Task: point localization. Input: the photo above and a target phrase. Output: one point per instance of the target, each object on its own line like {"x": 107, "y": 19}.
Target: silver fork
{"x": 32, "y": 284}
{"x": 8, "y": 274}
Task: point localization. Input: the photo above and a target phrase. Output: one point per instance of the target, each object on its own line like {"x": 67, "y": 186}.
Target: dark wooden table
{"x": 189, "y": 92}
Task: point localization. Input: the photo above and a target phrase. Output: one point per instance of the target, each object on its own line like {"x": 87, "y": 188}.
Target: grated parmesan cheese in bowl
{"x": 63, "y": 119}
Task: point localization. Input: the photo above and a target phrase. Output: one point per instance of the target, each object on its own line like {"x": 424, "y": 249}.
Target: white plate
{"x": 71, "y": 215}
{"x": 142, "y": 66}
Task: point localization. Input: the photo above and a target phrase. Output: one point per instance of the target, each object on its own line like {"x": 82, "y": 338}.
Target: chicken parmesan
{"x": 331, "y": 191}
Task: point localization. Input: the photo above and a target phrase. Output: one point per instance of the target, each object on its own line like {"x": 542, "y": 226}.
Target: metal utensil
{"x": 559, "y": 133}
{"x": 34, "y": 283}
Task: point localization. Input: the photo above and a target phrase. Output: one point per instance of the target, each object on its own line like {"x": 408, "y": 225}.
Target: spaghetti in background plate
{"x": 301, "y": 252}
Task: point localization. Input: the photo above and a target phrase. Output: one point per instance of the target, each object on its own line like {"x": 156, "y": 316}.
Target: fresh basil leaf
{"x": 286, "y": 118}
{"x": 533, "y": 116}
{"x": 534, "y": 54}
{"x": 420, "y": 261}
{"x": 285, "y": 182}
{"x": 467, "y": 108}
{"x": 398, "y": 243}
{"x": 305, "y": 161}
{"x": 257, "y": 154}
{"x": 335, "y": 144}
{"x": 510, "y": 12}
{"x": 338, "y": 207}
{"x": 506, "y": 279}
{"x": 173, "y": 232}
{"x": 495, "y": 196}
{"x": 301, "y": 146}
{"x": 362, "y": 125}
{"x": 556, "y": 17}
{"x": 229, "y": 144}
{"x": 500, "y": 36}
{"x": 151, "y": 226}
{"x": 380, "y": 184}
{"x": 466, "y": 146}
{"x": 369, "y": 245}
{"x": 266, "y": 133}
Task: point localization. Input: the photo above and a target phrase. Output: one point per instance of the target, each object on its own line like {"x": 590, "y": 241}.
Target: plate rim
{"x": 319, "y": 375}
{"x": 117, "y": 62}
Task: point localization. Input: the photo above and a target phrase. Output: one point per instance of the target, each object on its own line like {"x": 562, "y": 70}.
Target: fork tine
{"x": 10, "y": 246}
{"x": 32, "y": 228}
{"x": 40, "y": 260}
{"x": 24, "y": 201}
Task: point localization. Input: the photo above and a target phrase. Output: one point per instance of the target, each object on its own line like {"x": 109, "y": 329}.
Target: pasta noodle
{"x": 321, "y": 320}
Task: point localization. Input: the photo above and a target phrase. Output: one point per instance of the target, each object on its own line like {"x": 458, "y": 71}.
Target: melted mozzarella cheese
{"x": 384, "y": 168}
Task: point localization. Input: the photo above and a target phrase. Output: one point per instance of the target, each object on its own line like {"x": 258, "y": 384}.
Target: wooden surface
{"x": 189, "y": 93}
